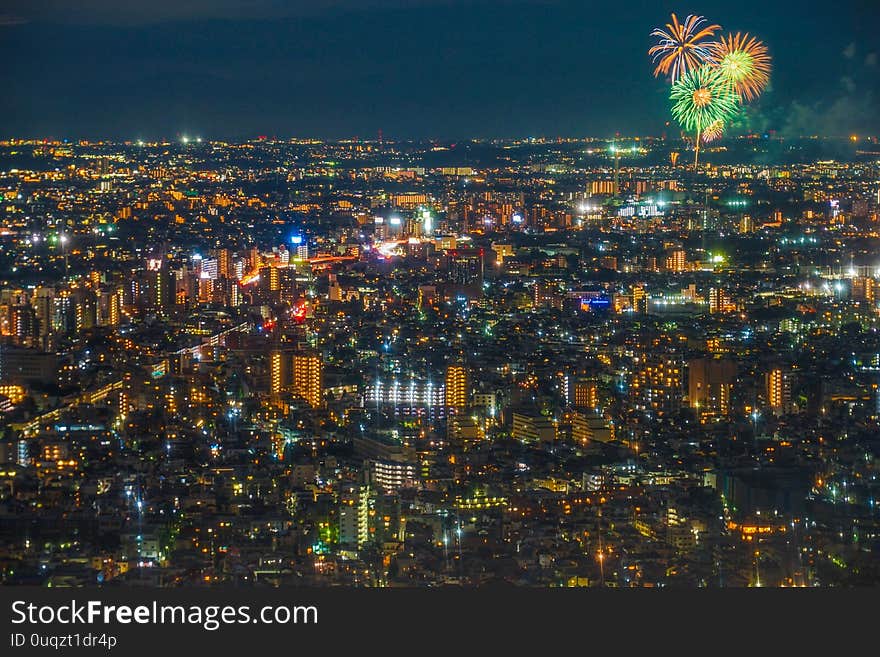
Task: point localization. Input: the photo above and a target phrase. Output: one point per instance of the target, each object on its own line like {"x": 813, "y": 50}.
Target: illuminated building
{"x": 465, "y": 428}
{"x": 586, "y": 428}
{"x": 586, "y": 393}
{"x": 778, "y": 390}
{"x": 532, "y": 428}
{"x": 14, "y": 392}
{"x": 109, "y": 309}
{"x": 411, "y": 397}
{"x": 86, "y": 310}
{"x": 602, "y": 187}
{"x": 308, "y": 378}
{"x": 719, "y": 301}
{"x": 457, "y": 391}
{"x": 162, "y": 287}
{"x": 409, "y": 200}
{"x": 465, "y": 267}
{"x": 279, "y": 371}
{"x": 710, "y": 383}
{"x": 224, "y": 263}
{"x": 43, "y": 302}
{"x": 657, "y": 384}
{"x": 287, "y": 284}
{"x": 676, "y": 261}
{"x": 547, "y": 294}
{"x": 864, "y": 288}
{"x": 502, "y": 251}
{"x": 270, "y": 279}
{"x": 209, "y": 268}
{"x": 171, "y": 405}
{"x": 639, "y": 299}
{"x": 608, "y": 262}
{"x": 391, "y": 475}
{"x": 63, "y": 313}
{"x": 354, "y": 515}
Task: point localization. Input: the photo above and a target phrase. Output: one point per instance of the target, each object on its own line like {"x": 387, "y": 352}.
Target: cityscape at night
{"x": 638, "y": 359}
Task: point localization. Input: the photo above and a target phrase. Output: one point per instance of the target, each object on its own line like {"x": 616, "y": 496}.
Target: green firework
{"x": 701, "y": 97}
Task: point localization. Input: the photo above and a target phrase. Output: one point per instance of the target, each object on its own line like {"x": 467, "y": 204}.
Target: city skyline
{"x": 282, "y": 306}
{"x": 402, "y": 364}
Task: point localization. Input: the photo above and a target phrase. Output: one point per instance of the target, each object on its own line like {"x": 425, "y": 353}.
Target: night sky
{"x": 446, "y": 69}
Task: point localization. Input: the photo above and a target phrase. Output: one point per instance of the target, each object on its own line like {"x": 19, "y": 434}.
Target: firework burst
{"x": 713, "y": 131}
{"x": 699, "y": 99}
{"x": 682, "y": 46}
{"x": 743, "y": 62}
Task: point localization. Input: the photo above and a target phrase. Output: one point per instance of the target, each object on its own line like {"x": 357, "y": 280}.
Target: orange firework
{"x": 744, "y": 63}
{"x": 713, "y": 131}
{"x": 682, "y": 47}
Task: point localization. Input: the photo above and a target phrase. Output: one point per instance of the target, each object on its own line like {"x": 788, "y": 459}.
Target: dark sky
{"x": 126, "y": 69}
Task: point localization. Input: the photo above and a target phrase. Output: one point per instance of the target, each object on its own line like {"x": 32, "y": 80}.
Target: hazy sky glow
{"x": 415, "y": 68}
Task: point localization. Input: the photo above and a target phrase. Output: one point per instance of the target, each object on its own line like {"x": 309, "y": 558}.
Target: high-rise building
{"x": 586, "y": 428}
{"x": 546, "y": 294}
{"x": 308, "y": 378}
{"x": 63, "y": 313}
{"x": 86, "y": 309}
{"x": 864, "y": 288}
{"x": 533, "y": 428}
{"x": 710, "y": 383}
{"x": 778, "y": 390}
{"x": 391, "y": 475}
{"x": 354, "y": 509}
{"x": 279, "y": 371}
{"x": 270, "y": 279}
{"x": 456, "y": 387}
{"x": 409, "y": 397}
{"x": 109, "y": 307}
{"x": 658, "y": 384}
{"x": 720, "y": 301}
{"x": 224, "y": 263}
{"x": 287, "y": 284}
{"x": 676, "y": 261}
{"x": 603, "y": 187}
{"x": 43, "y": 302}
{"x": 640, "y": 299}
{"x": 586, "y": 393}
{"x": 210, "y": 268}
{"x": 162, "y": 286}
{"x": 465, "y": 267}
